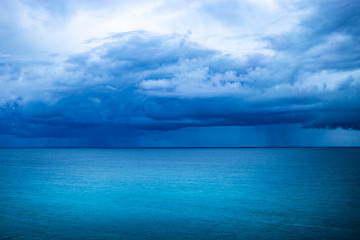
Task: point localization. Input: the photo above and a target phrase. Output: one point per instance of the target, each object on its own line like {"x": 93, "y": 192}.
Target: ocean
{"x": 180, "y": 193}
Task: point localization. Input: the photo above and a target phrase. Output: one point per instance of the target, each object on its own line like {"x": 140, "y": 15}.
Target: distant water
{"x": 300, "y": 193}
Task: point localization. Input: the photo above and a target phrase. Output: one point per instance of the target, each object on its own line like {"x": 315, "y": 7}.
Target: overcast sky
{"x": 179, "y": 73}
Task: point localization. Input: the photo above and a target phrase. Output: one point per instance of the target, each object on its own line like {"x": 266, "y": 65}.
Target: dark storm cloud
{"x": 139, "y": 81}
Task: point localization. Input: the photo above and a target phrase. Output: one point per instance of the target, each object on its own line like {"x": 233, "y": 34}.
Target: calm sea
{"x": 244, "y": 193}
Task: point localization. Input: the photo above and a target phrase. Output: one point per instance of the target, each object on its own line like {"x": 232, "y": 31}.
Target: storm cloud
{"x": 305, "y": 72}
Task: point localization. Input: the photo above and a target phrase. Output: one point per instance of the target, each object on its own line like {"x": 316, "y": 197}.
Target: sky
{"x": 216, "y": 73}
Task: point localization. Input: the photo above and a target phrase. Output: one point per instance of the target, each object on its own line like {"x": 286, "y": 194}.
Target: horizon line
{"x": 174, "y": 147}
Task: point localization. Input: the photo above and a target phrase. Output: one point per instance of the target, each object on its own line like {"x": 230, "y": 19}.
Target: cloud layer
{"x": 305, "y": 71}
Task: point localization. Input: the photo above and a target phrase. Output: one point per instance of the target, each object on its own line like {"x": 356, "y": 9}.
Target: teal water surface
{"x": 217, "y": 193}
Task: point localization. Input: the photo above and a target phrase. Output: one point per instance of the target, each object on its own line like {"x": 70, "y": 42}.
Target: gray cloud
{"x": 138, "y": 81}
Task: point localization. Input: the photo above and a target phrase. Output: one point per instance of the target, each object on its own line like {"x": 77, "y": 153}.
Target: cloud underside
{"x": 143, "y": 80}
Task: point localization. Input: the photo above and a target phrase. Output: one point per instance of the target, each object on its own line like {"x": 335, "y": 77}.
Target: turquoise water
{"x": 255, "y": 193}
